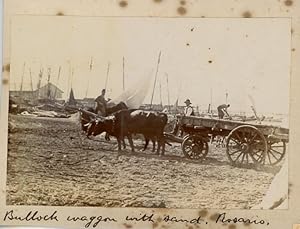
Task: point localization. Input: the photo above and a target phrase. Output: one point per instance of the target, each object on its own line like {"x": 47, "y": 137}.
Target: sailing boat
{"x": 135, "y": 95}
{"x": 72, "y": 100}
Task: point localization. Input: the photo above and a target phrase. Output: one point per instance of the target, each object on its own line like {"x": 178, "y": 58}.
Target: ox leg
{"x": 153, "y": 142}
{"x": 124, "y": 144}
{"x": 119, "y": 143}
{"x": 130, "y": 142}
{"x": 163, "y": 145}
{"x": 146, "y": 143}
{"x": 158, "y": 146}
{"x": 107, "y": 138}
{"x": 90, "y": 129}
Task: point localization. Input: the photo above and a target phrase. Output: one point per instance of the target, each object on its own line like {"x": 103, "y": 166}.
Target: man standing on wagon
{"x": 188, "y": 111}
{"x": 222, "y": 110}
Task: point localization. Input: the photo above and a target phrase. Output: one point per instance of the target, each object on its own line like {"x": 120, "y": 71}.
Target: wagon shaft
{"x": 173, "y": 138}
{"x": 89, "y": 113}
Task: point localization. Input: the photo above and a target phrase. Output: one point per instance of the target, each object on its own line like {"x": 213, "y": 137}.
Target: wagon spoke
{"x": 264, "y": 160}
{"x": 243, "y": 157}
{"x": 238, "y": 137}
{"x": 275, "y": 151}
{"x": 237, "y": 143}
{"x": 238, "y": 157}
{"x": 270, "y": 151}
{"x": 239, "y": 150}
{"x": 273, "y": 156}
{"x": 188, "y": 148}
{"x": 256, "y": 143}
{"x": 243, "y": 136}
{"x": 255, "y": 153}
{"x": 260, "y": 157}
{"x": 259, "y": 153}
{"x": 269, "y": 158}
{"x": 252, "y": 139}
{"x": 248, "y": 136}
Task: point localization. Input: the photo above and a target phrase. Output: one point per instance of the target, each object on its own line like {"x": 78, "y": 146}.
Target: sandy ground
{"x": 50, "y": 162}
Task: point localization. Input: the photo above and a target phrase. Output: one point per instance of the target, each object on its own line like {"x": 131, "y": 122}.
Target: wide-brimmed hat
{"x": 187, "y": 101}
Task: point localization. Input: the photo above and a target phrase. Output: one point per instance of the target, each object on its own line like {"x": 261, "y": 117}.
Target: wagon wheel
{"x": 194, "y": 147}
{"x": 246, "y": 144}
{"x": 276, "y": 152}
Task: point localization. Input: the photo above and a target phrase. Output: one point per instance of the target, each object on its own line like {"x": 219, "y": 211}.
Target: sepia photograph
{"x": 184, "y": 113}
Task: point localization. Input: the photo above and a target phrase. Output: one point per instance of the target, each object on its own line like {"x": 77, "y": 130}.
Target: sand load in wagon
{"x": 246, "y": 144}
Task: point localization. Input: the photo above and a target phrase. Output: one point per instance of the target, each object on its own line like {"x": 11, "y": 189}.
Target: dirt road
{"x": 51, "y": 163}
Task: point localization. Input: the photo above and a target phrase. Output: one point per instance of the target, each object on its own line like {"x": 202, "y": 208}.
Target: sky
{"x": 203, "y": 58}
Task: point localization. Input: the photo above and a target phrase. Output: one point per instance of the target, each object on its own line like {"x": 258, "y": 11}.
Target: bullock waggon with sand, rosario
{"x": 246, "y": 144}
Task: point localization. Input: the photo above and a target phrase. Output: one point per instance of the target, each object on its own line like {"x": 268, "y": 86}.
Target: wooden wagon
{"x": 245, "y": 143}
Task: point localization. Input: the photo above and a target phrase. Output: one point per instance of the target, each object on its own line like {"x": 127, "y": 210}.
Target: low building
{"x": 48, "y": 91}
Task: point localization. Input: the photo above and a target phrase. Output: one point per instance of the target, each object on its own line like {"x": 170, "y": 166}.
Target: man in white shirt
{"x": 188, "y": 111}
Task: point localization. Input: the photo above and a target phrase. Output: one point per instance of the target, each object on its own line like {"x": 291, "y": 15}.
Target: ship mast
{"x": 22, "y": 79}
{"x": 123, "y": 73}
{"x": 107, "y": 74}
{"x": 158, "y": 61}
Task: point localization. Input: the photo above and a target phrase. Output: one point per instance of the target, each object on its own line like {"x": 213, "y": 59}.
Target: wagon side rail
{"x": 275, "y": 132}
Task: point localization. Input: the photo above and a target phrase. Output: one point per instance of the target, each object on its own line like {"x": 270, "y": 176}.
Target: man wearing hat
{"x": 188, "y": 111}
